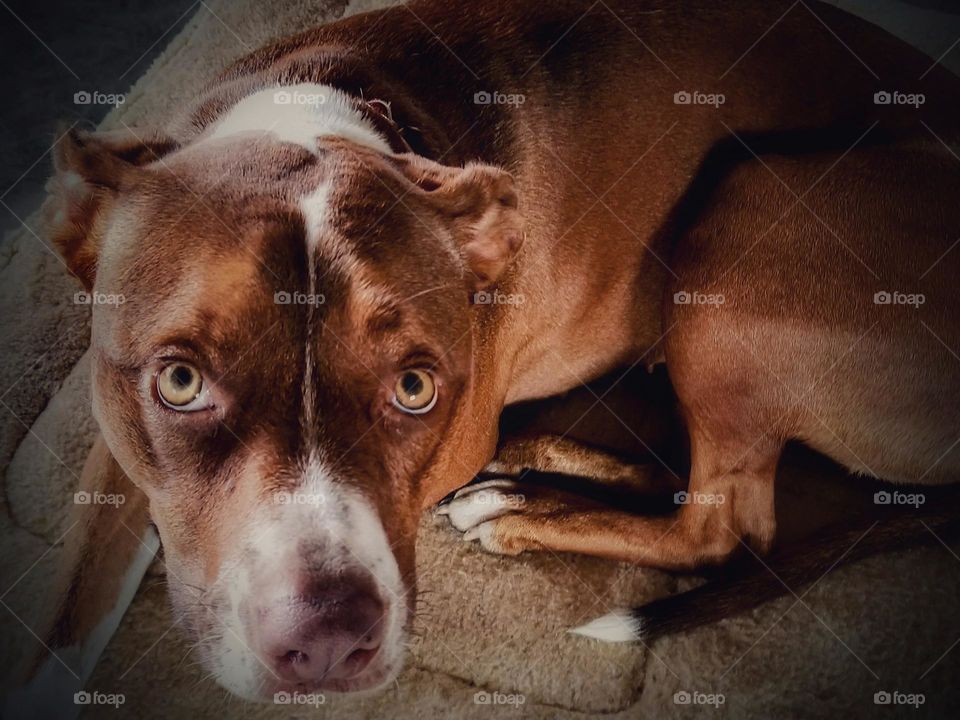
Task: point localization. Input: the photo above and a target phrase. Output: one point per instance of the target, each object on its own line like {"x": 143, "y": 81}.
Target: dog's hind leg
{"x": 106, "y": 552}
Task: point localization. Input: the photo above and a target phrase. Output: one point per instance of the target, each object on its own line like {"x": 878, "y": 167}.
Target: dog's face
{"x": 289, "y": 346}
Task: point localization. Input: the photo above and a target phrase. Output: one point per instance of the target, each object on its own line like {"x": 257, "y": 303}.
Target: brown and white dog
{"x": 362, "y": 242}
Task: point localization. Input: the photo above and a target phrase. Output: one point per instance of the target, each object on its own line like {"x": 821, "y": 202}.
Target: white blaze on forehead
{"x": 300, "y": 114}
{"x": 315, "y": 210}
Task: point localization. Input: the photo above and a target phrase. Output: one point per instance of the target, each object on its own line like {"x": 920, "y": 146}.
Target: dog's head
{"x": 281, "y": 344}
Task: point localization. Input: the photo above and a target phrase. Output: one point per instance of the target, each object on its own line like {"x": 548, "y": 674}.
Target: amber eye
{"x": 415, "y": 392}
{"x": 179, "y": 384}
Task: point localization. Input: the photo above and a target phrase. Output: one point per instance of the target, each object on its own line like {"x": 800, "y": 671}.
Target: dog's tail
{"x": 785, "y": 572}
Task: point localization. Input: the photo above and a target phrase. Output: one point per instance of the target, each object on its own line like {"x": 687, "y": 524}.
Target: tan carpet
{"x": 487, "y": 623}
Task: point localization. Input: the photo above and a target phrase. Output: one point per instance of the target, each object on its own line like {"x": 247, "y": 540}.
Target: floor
{"x": 53, "y": 49}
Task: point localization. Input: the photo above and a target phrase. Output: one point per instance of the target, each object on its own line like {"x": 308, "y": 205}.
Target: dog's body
{"x": 742, "y": 244}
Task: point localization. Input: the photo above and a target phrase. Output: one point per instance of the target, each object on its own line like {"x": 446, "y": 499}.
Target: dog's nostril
{"x": 362, "y": 656}
{"x": 294, "y": 657}
{"x": 368, "y": 642}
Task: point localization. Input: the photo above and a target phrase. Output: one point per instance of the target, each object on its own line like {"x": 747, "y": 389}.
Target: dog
{"x": 361, "y": 243}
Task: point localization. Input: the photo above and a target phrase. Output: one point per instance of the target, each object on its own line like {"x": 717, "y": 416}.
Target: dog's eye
{"x": 180, "y": 386}
{"x": 415, "y": 392}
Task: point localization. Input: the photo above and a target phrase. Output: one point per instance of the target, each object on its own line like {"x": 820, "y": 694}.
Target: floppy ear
{"x": 89, "y": 169}
{"x": 481, "y": 203}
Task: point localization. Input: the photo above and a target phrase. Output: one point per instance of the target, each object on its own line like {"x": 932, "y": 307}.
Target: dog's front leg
{"x": 105, "y": 556}
{"x": 729, "y": 500}
{"x": 564, "y": 456}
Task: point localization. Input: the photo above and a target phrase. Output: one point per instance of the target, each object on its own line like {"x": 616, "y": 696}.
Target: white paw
{"x": 484, "y": 533}
{"x": 475, "y": 505}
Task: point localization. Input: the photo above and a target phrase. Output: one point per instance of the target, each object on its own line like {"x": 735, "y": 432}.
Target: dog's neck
{"x": 304, "y": 112}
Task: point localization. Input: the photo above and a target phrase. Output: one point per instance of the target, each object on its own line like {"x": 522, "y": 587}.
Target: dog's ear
{"x": 481, "y": 204}
{"x": 89, "y": 171}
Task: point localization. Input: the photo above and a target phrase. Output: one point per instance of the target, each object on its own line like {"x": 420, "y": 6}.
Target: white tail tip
{"x": 618, "y": 626}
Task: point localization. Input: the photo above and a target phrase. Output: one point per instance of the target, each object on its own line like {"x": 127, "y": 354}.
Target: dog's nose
{"x": 327, "y": 631}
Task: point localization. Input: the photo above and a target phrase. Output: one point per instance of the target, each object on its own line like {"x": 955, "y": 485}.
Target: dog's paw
{"x": 476, "y": 504}
{"x": 482, "y": 511}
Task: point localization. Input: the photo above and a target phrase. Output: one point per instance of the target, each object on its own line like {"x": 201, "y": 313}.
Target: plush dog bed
{"x": 486, "y": 624}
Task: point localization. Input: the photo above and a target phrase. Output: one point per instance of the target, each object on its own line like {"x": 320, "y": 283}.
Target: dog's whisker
{"x": 427, "y": 291}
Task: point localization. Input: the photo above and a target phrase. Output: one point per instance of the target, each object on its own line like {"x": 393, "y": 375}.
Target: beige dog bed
{"x": 488, "y": 625}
